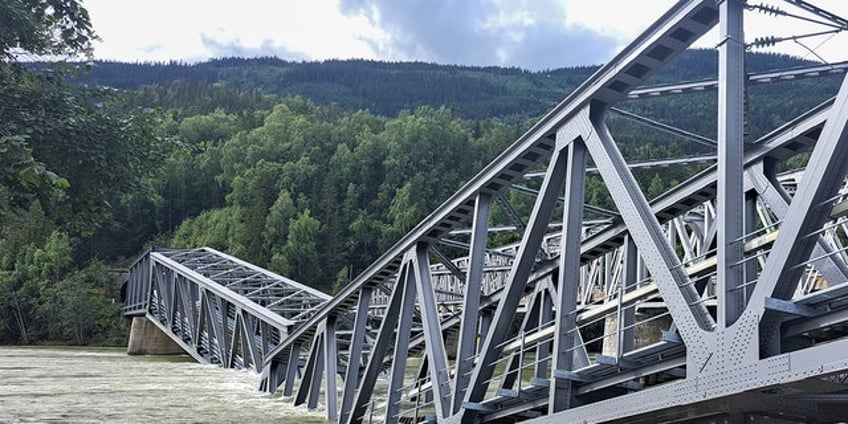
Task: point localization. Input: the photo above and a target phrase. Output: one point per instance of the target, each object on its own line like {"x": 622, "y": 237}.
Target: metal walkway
{"x": 722, "y": 300}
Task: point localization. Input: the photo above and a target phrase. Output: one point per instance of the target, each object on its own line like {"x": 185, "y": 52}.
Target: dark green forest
{"x": 310, "y": 169}
{"x": 382, "y": 88}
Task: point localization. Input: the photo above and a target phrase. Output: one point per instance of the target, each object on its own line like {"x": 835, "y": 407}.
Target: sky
{"x": 529, "y": 34}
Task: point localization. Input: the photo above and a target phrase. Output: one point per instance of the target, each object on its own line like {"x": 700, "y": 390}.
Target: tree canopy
{"x": 66, "y": 154}
{"x": 44, "y": 27}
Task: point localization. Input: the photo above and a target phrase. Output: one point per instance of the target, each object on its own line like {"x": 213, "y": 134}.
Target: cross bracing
{"x": 287, "y": 298}
{"x": 723, "y": 299}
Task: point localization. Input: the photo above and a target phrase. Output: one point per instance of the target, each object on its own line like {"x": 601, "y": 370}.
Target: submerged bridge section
{"x": 723, "y": 300}
{"x": 217, "y": 308}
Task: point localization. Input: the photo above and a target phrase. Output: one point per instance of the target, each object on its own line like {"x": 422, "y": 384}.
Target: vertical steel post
{"x": 202, "y": 319}
{"x": 235, "y": 343}
{"x": 512, "y": 371}
{"x": 434, "y": 343}
{"x": 357, "y": 339}
{"x": 750, "y": 267}
{"x": 223, "y": 327}
{"x": 148, "y": 295}
{"x": 265, "y": 333}
{"x": 172, "y": 302}
{"x": 292, "y": 365}
{"x": 485, "y": 325}
{"x": 401, "y": 348}
{"x": 420, "y": 377}
{"x": 312, "y": 370}
{"x": 627, "y": 336}
{"x": 470, "y": 310}
{"x": 249, "y": 322}
{"x": 330, "y": 366}
{"x": 315, "y": 378}
{"x": 543, "y": 350}
{"x": 731, "y": 138}
{"x": 561, "y": 393}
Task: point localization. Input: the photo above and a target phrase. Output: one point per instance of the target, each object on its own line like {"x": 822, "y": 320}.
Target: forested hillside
{"x": 308, "y": 169}
{"x": 385, "y": 88}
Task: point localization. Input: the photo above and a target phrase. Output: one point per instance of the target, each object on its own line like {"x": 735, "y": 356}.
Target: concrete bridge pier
{"x": 647, "y": 332}
{"x": 147, "y": 339}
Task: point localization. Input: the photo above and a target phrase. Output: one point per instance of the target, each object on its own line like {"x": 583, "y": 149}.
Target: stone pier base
{"x": 147, "y": 339}
{"x": 451, "y": 341}
{"x": 646, "y": 332}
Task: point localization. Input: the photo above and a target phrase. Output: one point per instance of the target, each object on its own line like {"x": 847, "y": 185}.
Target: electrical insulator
{"x": 765, "y": 41}
{"x": 768, "y": 9}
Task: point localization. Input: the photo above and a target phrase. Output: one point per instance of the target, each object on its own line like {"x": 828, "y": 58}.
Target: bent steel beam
{"x": 220, "y": 309}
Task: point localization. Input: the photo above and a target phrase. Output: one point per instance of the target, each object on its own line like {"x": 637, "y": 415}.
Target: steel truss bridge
{"x": 723, "y": 300}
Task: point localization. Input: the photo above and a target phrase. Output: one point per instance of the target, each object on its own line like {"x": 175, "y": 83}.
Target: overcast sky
{"x": 530, "y": 34}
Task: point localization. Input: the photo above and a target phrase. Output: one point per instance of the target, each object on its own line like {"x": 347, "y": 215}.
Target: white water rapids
{"x": 94, "y": 385}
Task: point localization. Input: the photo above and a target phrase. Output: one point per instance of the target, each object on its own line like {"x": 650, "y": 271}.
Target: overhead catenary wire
{"x": 777, "y": 11}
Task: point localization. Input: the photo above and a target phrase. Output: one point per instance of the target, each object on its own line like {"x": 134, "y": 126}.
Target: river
{"x": 94, "y": 385}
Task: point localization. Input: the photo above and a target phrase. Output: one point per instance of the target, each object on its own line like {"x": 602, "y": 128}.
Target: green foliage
{"x": 427, "y": 159}
{"x": 216, "y": 228}
{"x": 214, "y": 127}
{"x": 276, "y": 230}
{"x": 69, "y": 147}
{"x": 33, "y": 270}
{"x": 83, "y": 308}
{"x": 342, "y": 280}
{"x": 66, "y": 152}
{"x": 301, "y": 249}
{"x": 45, "y": 298}
{"x": 22, "y": 175}
{"x": 44, "y": 27}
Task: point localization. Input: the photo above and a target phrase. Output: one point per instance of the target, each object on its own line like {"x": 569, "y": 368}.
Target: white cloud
{"x": 152, "y": 30}
{"x": 157, "y": 30}
{"x": 620, "y": 19}
{"x": 526, "y": 33}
